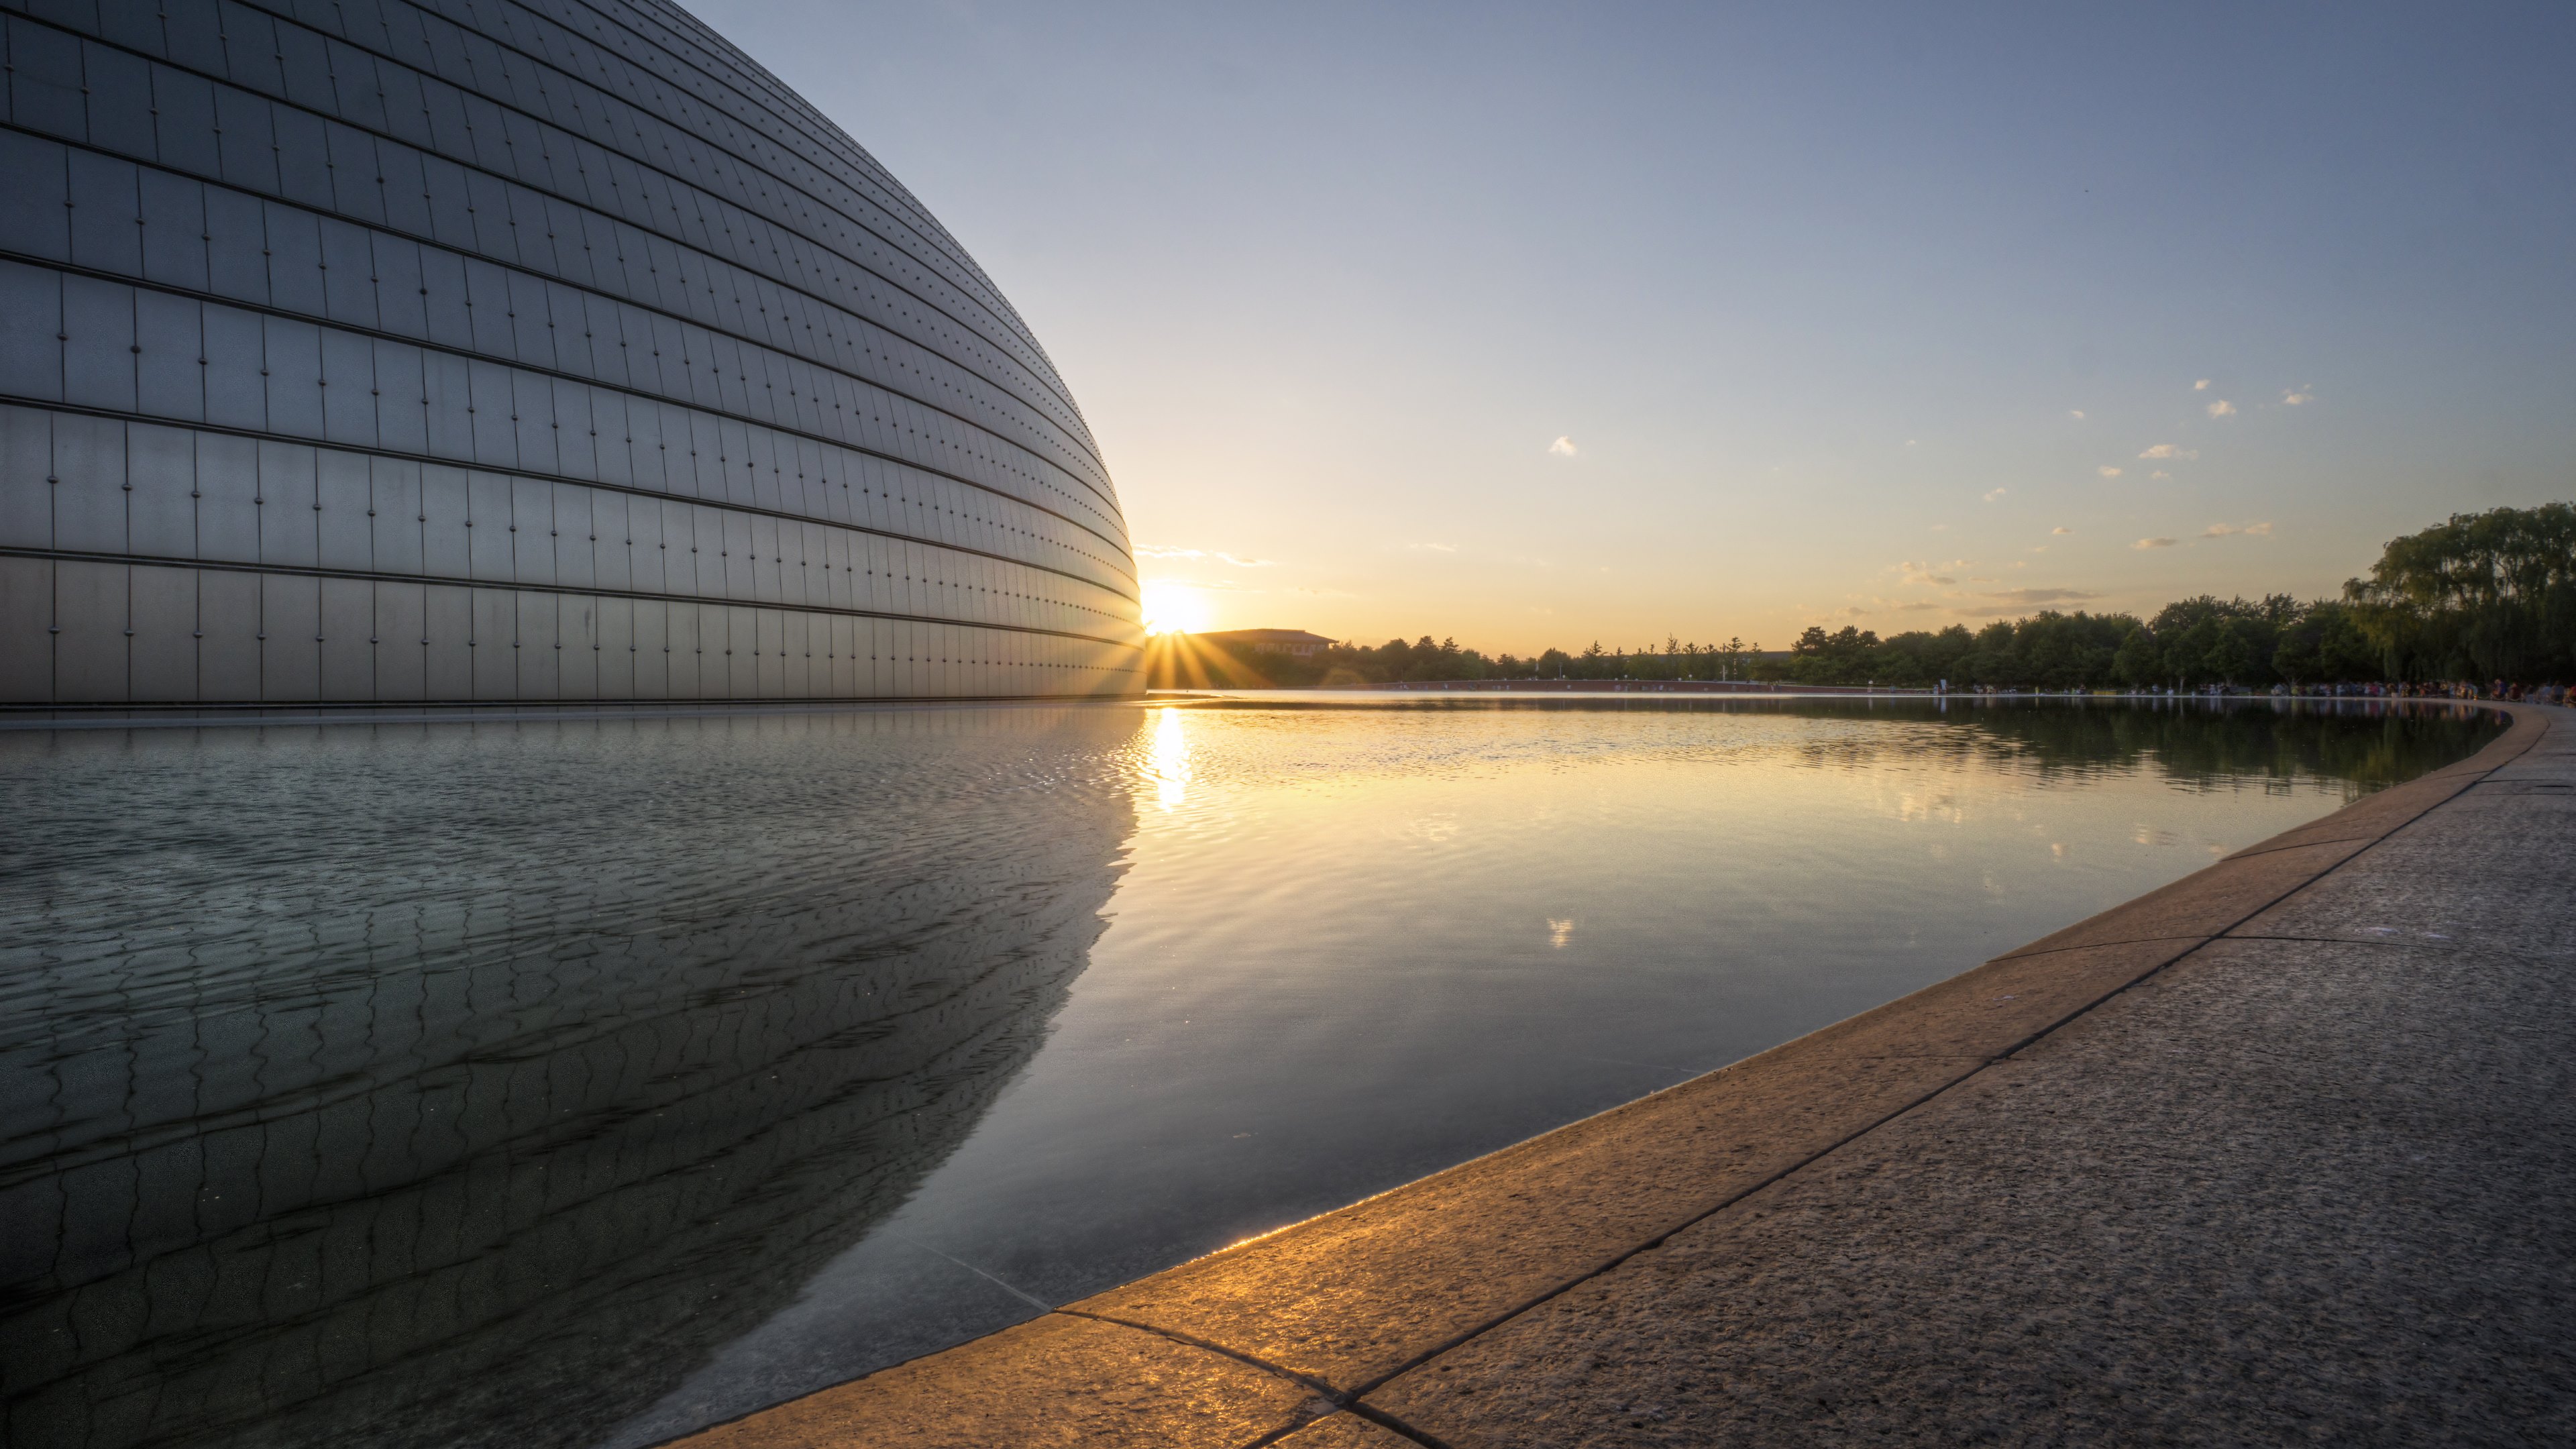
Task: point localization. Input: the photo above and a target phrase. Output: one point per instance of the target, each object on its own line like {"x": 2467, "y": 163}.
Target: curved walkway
{"x": 2281, "y": 1152}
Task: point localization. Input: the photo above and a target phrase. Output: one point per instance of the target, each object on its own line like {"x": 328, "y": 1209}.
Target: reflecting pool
{"x": 584, "y": 1081}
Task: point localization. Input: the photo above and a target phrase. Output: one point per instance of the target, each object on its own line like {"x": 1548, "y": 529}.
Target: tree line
{"x": 2480, "y": 598}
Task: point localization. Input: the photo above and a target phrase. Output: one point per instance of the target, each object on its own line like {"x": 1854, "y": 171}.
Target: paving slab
{"x": 1056, "y": 1380}
{"x": 1344, "y": 1431}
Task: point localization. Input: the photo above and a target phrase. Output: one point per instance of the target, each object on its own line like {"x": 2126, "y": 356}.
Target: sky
{"x": 1539, "y": 325}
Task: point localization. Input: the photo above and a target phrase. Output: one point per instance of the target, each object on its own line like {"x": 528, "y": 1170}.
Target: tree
{"x": 2486, "y": 595}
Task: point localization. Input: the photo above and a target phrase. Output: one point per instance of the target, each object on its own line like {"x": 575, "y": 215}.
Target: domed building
{"x": 518, "y": 351}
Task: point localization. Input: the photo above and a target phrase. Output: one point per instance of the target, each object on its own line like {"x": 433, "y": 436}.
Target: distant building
{"x": 1296, "y": 643}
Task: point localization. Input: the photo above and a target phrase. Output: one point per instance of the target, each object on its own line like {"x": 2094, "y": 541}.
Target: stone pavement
{"x": 2283, "y": 1152}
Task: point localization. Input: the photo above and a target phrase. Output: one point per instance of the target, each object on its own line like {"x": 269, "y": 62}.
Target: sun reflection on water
{"x": 1168, "y": 764}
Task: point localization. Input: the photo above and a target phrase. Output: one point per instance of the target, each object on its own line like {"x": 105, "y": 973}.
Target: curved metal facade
{"x": 483, "y": 350}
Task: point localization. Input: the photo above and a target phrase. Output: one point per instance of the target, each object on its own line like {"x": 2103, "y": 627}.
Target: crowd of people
{"x": 2458, "y": 689}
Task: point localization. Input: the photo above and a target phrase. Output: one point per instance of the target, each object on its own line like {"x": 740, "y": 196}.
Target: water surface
{"x": 585, "y": 1081}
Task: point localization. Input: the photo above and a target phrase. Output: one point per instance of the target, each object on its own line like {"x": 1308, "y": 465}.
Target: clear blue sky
{"x": 1815, "y": 294}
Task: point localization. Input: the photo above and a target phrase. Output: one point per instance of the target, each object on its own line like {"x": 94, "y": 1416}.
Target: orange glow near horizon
{"x": 1173, "y": 607}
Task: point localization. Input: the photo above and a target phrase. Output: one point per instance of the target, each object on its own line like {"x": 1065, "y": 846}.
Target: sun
{"x": 1172, "y": 607}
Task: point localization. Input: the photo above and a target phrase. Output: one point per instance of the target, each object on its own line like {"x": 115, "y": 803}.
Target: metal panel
{"x": 799, "y": 650}
{"x": 396, "y": 505}
{"x": 617, "y": 648}
{"x": 681, "y": 648}
{"x": 236, "y": 245}
{"x": 349, "y": 274}
{"x": 170, "y": 375}
{"x": 450, "y": 649}
{"x": 104, "y": 207}
{"x": 161, "y": 472}
{"x": 648, "y": 552}
{"x": 348, "y": 638}
{"x": 496, "y": 625}
{"x": 495, "y": 431}
{"x": 401, "y": 307}
{"x": 402, "y": 400}
{"x": 227, "y": 493}
{"x": 119, "y": 90}
{"x": 767, "y": 558}
{"x": 576, "y": 536}
{"x": 346, "y": 532}
{"x": 577, "y": 646}
{"x": 98, "y": 351}
{"x": 487, "y": 527}
{"x": 26, "y": 462}
{"x": 290, "y": 650}
{"x": 737, "y": 669}
{"x": 538, "y": 648}
{"x": 446, "y": 381}
{"x": 612, "y": 551}
{"x": 294, "y": 261}
{"x": 184, "y": 130}
{"x": 576, "y": 435}
{"x": 293, "y": 371}
{"x": 89, "y": 484}
{"x": 163, "y": 662}
{"x": 532, "y": 415}
{"x": 32, "y": 175}
{"x": 533, "y": 534}
{"x": 44, "y": 90}
{"x": 402, "y": 624}
{"x": 26, "y": 630}
{"x": 287, "y": 530}
{"x": 349, "y": 389}
{"x": 228, "y": 641}
{"x": 651, "y": 646}
{"x": 768, "y": 635}
{"x": 236, "y": 394}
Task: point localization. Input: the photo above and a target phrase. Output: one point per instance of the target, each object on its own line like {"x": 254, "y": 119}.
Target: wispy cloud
{"x": 2222, "y": 409}
{"x": 2107, "y": 471}
{"x": 2035, "y": 597}
{"x": 2155, "y": 543}
{"x": 2223, "y": 530}
{"x": 2076, "y": 413}
{"x": 2169, "y": 450}
{"x": 1922, "y": 573}
{"x": 2297, "y": 395}
{"x": 2161, "y": 474}
{"x": 1562, "y": 447}
{"x": 1167, "y": 550}
{"x": 2061, "y": 530}
{"x": 1994, "y": 494}
{"x": 1432, "y": 547}
{"x": 2201, "y": 386}
{"x": 1996, "y": 603}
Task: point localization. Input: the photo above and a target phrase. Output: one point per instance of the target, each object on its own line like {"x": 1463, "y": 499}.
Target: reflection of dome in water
{"x": 516, "y": 351}
{"x": 500, "y": 1164}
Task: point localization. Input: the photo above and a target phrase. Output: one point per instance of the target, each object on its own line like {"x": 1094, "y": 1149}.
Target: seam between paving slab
{"x": 2527, "y": 727}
